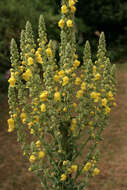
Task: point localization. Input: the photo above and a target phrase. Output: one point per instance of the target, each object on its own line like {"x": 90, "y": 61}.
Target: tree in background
{"x": 105, "y": 15}
{"x": 13, "y": 16}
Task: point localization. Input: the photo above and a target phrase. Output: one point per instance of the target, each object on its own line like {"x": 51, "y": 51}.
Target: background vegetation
{"x": 92, "y": 17}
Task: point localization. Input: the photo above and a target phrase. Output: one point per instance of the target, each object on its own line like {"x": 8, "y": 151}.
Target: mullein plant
{"x": 59, "y": 107}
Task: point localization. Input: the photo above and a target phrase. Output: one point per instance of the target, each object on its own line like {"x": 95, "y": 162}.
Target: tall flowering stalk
{"x": 60, "y": 108}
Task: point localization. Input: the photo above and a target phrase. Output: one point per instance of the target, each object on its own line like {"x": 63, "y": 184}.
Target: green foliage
{"x": 13, "y": 16}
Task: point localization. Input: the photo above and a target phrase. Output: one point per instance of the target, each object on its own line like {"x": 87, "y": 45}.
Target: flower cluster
{"x": 60, "y": 108}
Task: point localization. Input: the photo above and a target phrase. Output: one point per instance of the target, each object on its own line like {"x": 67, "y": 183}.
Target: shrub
{"x": 58, "y": 107}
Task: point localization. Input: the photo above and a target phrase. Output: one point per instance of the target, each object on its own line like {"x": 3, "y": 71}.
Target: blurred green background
{"x": 92, "y": 17}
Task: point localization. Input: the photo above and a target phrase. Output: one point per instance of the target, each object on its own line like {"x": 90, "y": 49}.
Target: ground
{"x": 14, "y": 174}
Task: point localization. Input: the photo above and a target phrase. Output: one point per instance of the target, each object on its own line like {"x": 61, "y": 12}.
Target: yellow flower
{"x": 40, "y": 129}
{"x": 32, "y": 159}
{"x": 90, "y": 123}
{"x": 83, "y": 86}
{"x": 49, "y": 51}
{"x": 44, "y": 41}
{"x": 79, "y": 94}
{"x": 36, "y": 119}
{"x": 69, "y": 23}
{"x": 91, "y": 85}
{"x": 114, "y": 104}
{"x": 68, "y": 71}
{"x": 96, "y": 171}
{"x": 24, "y": 121}
{"x": 35, "y": 101}
{"x": 64, "y": 109}
{"x": 41, "y": 154}
{"x": 16, "y": 73}
{"x": 63, "y": 94}
{"x": 87, "y": 167}
{"x": 65, "y": 81}
{"x": 69, "y": 170}
{"x": 77, "y": 81}
{"x": 73, "y": 124}
{"x": 37, "y": 53}
{"x": 27, "y": 75}
{"x": 12, "y": 81}
{"x": 73, "y": 9}
{"x": 110, "y": 95}
{"x": 56, "y": 78}
{"x": 75, "y": 56}
{"x": 97, "y": 76}
{"x": 57, "y": 96}
{"x": 61, "y": 73}
{"x": 74, "y": 105}
{"x": 35, "y": 109}
{"x": 74, "y": 168}
{"x": 39, "y": 50}
{"x": 76, "y": 63}
{"x": 11, "y": 125}
{"x": 92, "y": 113}
{"x": 73, "y": 75}
{"x": 94, "y": 69}
{"x": 104, "y": 102}
{"x": 29, "y": 169}
{"x": 65, "y": 162}
{"x": 73, "y": 121}
{"x": 32, "y": 131}
{"x": 82, "y": 76}
{"x": 21, "y": 68}
{"x": 95, "y": 96}
{"x": 71, "y": 3}
{"x": 44, "y": 95}
{"x": 93, "y": 135}
{"x": 102, "y": 66}
{"x": 64, "y": 9}
{"x": 72, "y": 128}
{"x": 33, "y": 50}
{"x": 43, "y": 108}
{"x": 14, "y": 115}
{"x": 63, "y": 177}
{"x": 97, "y": 99}
{"x": 23, "y": 63}
{"x": 61, "y": 23}
{"x": 39, "y": 59}
{"x": 30, "y": 124}
{"x": 107, "y": 110}
{"x": 102, "y": 90}
{"x": 44, "y": 75}
{"x": 23, "y": 115}
{"x": 26, "y": 54}
{"x": 30, "y": 61}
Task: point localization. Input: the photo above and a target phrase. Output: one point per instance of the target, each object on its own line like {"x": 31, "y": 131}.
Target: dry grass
{"x": 14, "y": 173}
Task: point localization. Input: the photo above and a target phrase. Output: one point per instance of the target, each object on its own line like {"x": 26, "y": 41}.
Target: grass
{"x": 14, "y": 173}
